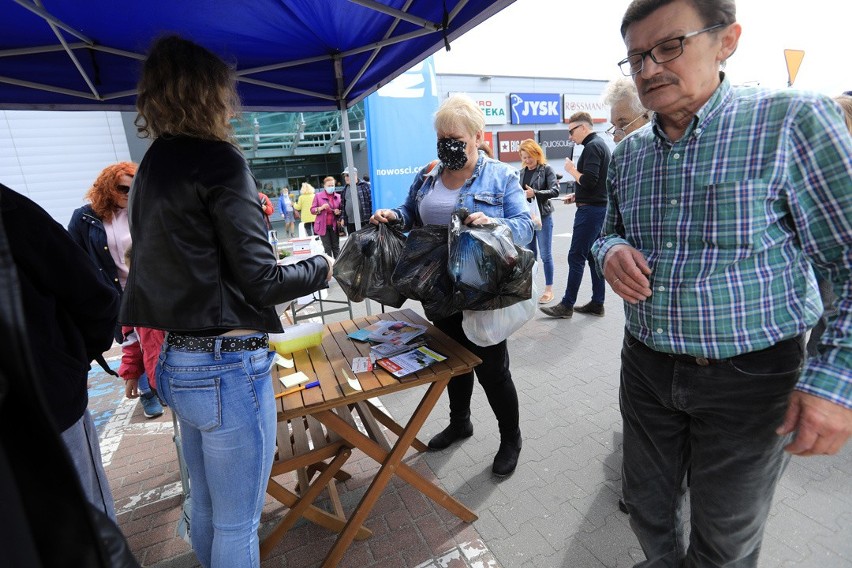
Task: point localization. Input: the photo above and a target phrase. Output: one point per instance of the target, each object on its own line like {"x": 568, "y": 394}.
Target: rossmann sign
{"x": 535, "y": 108}
{"x": 591, "y": 104}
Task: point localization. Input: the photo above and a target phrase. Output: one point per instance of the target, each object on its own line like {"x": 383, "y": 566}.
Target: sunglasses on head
{"x": 125, "y": 189}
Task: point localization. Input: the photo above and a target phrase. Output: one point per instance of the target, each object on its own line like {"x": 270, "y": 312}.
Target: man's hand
{"x": 821, "y": 426}
{"x": 627, "y": 271}
{"x": 569, "y": 198}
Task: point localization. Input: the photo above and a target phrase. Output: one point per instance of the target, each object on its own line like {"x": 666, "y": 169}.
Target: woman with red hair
{"x": 102, "y": 229}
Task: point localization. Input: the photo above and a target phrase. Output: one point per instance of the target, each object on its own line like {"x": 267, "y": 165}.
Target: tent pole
{"x": 350, "y": 161}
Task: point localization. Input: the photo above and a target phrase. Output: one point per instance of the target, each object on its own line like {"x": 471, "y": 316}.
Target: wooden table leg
{"x": 390, "y": 464}
{"x": 391, "y": 425}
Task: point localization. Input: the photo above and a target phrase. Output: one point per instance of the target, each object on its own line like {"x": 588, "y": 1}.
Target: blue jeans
{"x": 226, "y": 408}
{"x": 718, "y": 421}
{"x": 143, "y": 385}
{"x": 588, "y": 221}
{"x": 84, "y": 448}
{"x": 543, "y": 239}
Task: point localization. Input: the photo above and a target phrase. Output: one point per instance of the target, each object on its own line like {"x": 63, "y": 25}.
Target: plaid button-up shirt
{"x": 730, "y": 218}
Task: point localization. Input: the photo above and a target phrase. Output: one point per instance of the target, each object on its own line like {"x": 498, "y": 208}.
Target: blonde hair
{"x": 845, "y": 102}
{"x": 307, "y": 188}
{"x": 532, "y": 148}
{"x": 459, "y": 111}
{"x": 329, "y": 178}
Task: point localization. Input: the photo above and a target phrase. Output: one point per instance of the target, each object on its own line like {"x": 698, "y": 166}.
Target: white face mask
{"x": 329, "y": 189}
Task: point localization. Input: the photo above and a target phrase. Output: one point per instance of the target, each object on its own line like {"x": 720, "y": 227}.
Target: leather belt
{"x": 229, "y": 344}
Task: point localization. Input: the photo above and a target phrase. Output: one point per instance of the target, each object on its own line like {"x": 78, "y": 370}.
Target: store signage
{"x": 508, "y": 143}
{"x": 534, "y": 108}
{"x": 592, "y": 104}
{"x": 555, "y": 144}
{"x": 488, "y": 138}
{"x": 493, "y": 105}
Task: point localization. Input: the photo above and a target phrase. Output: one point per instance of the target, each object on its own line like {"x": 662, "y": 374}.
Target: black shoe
{"x": 506, "y": 459}
{"x": 592, "y": 309}
{"x": 451, "y": 434}
{"x": 560, "y": 310}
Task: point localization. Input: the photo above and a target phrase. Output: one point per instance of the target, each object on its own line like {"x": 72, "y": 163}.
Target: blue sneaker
{"x": 151, "y": 405}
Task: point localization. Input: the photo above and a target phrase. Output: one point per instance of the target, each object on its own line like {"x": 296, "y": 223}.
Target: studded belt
{"x": 229, "y": 344}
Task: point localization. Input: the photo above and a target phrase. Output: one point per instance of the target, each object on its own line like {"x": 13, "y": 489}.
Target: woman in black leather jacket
{"x": 203, "y": 271}
{"x": 538, "y": 180}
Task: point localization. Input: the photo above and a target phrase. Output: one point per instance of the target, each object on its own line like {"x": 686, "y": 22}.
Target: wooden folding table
{"x": 332, "y": 403}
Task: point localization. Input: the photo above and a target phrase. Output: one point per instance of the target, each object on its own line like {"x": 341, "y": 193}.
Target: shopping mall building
{"x": 53, "y": 157}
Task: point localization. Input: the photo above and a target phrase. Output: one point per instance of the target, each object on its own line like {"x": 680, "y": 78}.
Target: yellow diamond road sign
{"x": 794, "y": 61}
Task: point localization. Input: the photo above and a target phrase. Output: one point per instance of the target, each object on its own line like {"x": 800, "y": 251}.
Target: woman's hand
{"x": 529, "y": 192}
{"x": 330, "y": 262}
{"x": 478, "y": 218}
{"x": 569, "y": 198}
{"x": 383, "y": 216}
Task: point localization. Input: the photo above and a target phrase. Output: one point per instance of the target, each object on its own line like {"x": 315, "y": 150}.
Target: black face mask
{"x": 452, "y": 153}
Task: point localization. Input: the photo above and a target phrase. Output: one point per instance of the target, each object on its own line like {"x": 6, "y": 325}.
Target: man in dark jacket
{"x": 365, "y": 200}
{"x": 591, "y": 199}
{"x": 71, "y": 313}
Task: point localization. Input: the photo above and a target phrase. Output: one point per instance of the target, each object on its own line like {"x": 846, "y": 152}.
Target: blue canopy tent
{"x": 291, "y": 55}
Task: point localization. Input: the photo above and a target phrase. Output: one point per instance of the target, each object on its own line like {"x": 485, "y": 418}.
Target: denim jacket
{"x": 493, "y": 189}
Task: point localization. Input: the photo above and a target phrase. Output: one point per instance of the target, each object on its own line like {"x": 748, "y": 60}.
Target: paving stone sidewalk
{"x": 559, "y": 509}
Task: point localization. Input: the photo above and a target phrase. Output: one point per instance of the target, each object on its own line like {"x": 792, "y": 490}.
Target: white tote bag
{"x": 490, "y": 327}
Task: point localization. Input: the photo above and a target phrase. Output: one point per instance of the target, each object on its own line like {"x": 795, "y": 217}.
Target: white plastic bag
{"x": 490, "y": 327}
{"x": 535, "y": 214}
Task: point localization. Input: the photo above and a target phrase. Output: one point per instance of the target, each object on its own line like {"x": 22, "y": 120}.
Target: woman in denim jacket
{"x": 465, "y": 177}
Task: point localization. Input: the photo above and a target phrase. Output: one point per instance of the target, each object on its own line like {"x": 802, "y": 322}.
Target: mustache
{"x": 658, "y": 81}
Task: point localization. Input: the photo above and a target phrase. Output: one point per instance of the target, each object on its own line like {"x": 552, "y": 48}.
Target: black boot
{"x": 454, "y": 432}
{"x": 506, "y": 459}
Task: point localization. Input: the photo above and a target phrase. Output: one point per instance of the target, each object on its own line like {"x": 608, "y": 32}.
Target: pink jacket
{"x": 141, "y": 355}
{"x": 325, "y": 218}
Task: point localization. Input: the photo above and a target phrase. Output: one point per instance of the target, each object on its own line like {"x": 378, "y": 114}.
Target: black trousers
{"x": 494, "y": 376}
{"x": 331, "y": 241}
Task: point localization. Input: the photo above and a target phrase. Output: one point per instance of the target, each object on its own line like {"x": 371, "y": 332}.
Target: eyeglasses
{"x": 663, "y": 52}
{"x": 571, "y": 130}
{"x": 621, "y": 130}
{"x": 125, "y": 189}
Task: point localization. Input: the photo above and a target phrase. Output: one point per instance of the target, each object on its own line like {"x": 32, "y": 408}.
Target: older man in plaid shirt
{"x": 717, "y": 212}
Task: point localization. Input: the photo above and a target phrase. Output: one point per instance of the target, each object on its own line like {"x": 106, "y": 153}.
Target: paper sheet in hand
{"x": 296, "y": 378}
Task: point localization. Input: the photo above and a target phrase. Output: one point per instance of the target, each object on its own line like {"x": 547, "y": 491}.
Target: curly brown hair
{"x": 185, "y": 90}
{"x": 104, "y": 195}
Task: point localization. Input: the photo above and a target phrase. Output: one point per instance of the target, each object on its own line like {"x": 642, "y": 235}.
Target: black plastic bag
{"x": 367, "y": 261}
{"x": 422, "y": 275}
{"x": 486, "y": 266}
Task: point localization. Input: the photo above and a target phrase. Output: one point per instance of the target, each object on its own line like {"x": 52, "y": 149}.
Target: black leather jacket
{"x": 201, "y": 263}
{"x": 544, "y": 183}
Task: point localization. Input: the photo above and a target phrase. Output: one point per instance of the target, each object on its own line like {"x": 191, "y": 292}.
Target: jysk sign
{"x": 535, "y": 108}
{"x": 508, "y": 144}
{"x": 555, "y": 144}
{"x": 493, "y": 106}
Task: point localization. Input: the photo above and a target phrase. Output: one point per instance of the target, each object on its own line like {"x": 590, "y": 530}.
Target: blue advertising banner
{"x": 400, "y": 135}
{"x": 535, "y": 108}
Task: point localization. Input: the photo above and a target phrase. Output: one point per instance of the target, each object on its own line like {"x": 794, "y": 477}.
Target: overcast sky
{"x": 581, "y": 39}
